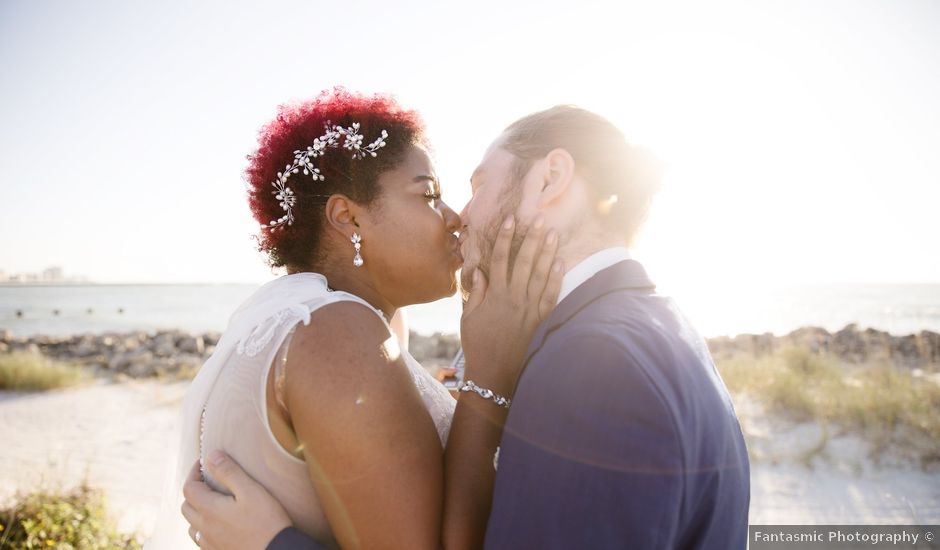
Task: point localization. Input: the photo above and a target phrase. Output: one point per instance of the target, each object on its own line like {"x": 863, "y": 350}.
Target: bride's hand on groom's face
{"x": 504, "y": 310}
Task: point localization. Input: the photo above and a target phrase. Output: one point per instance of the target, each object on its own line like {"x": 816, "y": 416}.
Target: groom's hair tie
{"x": 339, "y": 142}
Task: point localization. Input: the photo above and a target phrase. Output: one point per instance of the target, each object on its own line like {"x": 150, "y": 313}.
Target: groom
{"x": 621, "y": 432}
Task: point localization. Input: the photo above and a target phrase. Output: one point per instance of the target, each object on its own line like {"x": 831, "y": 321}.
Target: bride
{"x": 309, "y": 388}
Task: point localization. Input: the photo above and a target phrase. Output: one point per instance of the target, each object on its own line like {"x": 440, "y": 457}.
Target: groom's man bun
{"x": 295, "y": 128}
{"x": 603, "y": 157}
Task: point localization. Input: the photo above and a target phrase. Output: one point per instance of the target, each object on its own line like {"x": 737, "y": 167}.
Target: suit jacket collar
{"x": 628, "y": 274}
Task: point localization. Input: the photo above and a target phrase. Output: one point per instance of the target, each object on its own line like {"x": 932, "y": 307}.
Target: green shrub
{"x": 24, "y": 371}
{"x": 71, "y": 520}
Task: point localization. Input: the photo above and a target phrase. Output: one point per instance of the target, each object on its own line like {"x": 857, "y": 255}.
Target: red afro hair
{"x": 295, "y": 128}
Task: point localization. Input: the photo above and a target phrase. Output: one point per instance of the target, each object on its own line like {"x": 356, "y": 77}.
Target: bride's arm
{"x": 372, "y": 451}
{"x": 496, "y": 327}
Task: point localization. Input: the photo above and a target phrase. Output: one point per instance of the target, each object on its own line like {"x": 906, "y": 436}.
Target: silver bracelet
{"x": 468, "y": 386}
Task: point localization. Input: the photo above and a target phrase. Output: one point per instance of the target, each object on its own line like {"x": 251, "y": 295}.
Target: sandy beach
{"x": 115, "y": 434}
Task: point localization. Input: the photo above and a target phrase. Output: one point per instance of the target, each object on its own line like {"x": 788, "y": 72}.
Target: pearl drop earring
{"x": 357, "y": 240}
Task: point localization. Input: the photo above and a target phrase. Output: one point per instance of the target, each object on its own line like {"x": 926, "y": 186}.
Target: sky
{"x": 801, "y": 138}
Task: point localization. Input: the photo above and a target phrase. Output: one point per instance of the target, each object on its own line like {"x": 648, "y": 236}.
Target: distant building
{"x": 52, "y": 275}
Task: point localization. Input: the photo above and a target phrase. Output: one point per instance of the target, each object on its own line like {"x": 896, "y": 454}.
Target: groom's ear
{"x": 557, "y": 175}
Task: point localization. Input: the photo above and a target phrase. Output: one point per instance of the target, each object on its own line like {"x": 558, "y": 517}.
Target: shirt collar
{"x": 590, "y": 266}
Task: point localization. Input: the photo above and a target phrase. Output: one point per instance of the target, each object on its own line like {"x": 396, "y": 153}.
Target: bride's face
{"x": 411, "y": 247}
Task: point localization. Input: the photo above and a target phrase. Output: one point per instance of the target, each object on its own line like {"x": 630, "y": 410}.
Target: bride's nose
{"x": 451, "y": 219}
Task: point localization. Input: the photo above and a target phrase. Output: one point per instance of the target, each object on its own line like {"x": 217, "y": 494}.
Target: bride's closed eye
{"x": 432, "y": 196}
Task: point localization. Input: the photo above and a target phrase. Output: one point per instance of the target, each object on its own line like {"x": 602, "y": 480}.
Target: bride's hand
{"x": 503, "y": 312}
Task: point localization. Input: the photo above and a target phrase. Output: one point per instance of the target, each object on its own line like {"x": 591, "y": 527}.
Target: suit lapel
{"x": 628, "y": 274}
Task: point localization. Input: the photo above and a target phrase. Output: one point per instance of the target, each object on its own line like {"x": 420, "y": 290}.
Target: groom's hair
{"x": 295, "y": 128}
{"x": 611, "y": 166}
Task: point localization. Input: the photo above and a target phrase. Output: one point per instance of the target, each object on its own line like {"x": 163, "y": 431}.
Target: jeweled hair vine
{"x": 303, "y": 159}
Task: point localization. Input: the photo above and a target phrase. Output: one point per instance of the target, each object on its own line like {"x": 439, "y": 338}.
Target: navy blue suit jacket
{"x": 621, "y": 433}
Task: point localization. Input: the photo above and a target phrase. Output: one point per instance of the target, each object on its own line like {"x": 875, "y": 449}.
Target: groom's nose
{"x": 463, "y": 211}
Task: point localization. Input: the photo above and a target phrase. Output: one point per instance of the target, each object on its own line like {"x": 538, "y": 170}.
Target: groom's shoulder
{"x": 624, "y": 339}
{"x": 634, "y": 321}
{"x": 599, "y": 353}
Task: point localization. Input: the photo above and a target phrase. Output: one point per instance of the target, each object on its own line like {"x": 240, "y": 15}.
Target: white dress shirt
{"x": 590, "y": 266}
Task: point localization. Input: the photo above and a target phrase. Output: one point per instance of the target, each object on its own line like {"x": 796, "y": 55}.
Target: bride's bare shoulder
{"x": 345, "y": 348}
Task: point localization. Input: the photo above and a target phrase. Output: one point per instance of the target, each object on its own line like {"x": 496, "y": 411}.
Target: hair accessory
{"x": 357, "y": 242}
{"x": 303, "y": 159}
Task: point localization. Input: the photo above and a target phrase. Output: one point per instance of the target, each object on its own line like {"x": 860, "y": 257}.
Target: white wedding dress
{"x": 226, "y": 406}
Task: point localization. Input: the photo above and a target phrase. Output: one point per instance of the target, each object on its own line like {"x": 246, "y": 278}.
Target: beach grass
{"x": 61, "y": 519}
{"x": 886, "y": 404}
{"x": 30, "y": 371}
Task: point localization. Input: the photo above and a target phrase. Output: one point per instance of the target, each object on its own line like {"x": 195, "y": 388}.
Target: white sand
{"x": 117, "y": 435}
{"x": 803, "y": 473}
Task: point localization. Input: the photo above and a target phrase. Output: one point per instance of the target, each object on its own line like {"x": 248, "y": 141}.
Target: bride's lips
{"x": 459, "y": 245}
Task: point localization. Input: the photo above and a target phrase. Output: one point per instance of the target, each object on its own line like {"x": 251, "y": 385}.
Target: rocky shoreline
{"x": 178, "y": 354}
{"x": 851, "y": 344}
{"x": 172, "y": 354}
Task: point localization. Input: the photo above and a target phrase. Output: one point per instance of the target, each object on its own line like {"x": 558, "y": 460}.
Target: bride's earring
{"x": 357, "y": 240}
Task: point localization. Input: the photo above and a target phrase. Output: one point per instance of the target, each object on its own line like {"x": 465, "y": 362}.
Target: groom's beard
{"x": 509, "y": 204}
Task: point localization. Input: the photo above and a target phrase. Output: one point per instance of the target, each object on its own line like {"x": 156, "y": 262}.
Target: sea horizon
{"x": 61, "y": 309}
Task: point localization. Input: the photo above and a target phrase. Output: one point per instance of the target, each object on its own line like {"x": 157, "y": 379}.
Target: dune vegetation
{"x": 32, "y": 371}
{"x": 891, "y": 406}
{"x": 75, "y": 519}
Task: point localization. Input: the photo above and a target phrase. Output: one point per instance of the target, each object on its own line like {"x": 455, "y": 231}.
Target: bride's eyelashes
{"x": 432, "y": 196}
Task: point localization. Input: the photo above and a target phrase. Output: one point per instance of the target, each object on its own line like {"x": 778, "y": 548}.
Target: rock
{"x": 189, "y": 344}
{"x": 929, "y": 343}
{"x": 6, "y": 336}
{"x": 141, "y": 370}
{"x": 132, "y": 361}
{"x": 97, "y": 359}
{"x": 129, "y": 343}
{"x": 162, "y": 366}
{"x": 119, "y": 362}
{"x": 815, "y": 339}
{"x": 163, "y": 344}
{"x": 848, "y": 344}
{"x": 752, "y": 344}
{"x": 211, "y": 338}
{"x": 85, "y": 348}
{"x": 905, "y": 347}
{"x": 764, "y": 343}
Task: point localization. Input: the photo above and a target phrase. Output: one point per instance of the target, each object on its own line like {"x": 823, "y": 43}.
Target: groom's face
{"x": 496, "y": 194}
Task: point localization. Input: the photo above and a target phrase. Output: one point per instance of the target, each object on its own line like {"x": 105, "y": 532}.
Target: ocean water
{"x": 75, "y": 309}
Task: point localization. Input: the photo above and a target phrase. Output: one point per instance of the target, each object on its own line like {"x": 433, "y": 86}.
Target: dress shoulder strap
{"x": 341, "y": 295}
